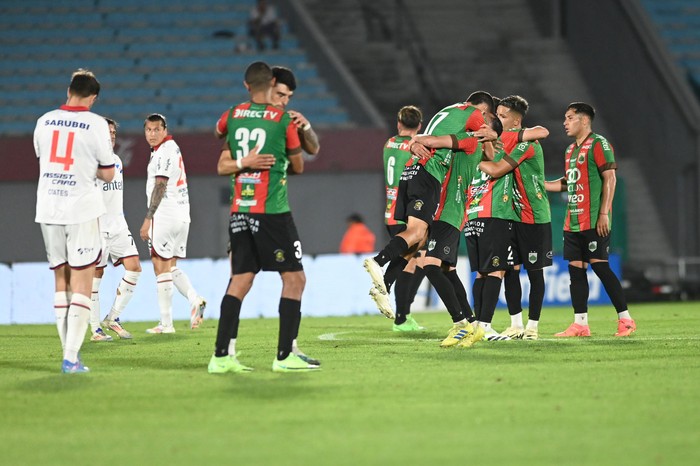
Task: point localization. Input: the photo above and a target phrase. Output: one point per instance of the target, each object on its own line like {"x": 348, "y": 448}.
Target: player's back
{"x": 71, "y": 143}
{"x": 396, "y": 155}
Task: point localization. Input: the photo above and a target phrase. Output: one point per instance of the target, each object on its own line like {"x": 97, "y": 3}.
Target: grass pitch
{"x": 381, "y": 398}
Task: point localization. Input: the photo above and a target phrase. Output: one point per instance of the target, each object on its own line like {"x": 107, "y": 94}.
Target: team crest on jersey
{"x": 446, "y": 250}
{"x": 539, "y": 195}
{"x": 418, "y": 205}
{"x": 431, "y": 245}
{"x": 496, "y": 261}
{"x": 505, "y": 198}
{"x": 581, "y": 158}
{"x": 248, "y": 191}
{"x": 592, "y": 246}
{"x": 532, "y": 257}
{"x": 279, "y": 255}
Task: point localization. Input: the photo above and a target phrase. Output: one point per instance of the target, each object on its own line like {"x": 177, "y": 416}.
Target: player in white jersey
{"x": 73, "y": 148}
{"x": 117, "y": 244}
{"x": 167, "y": 223}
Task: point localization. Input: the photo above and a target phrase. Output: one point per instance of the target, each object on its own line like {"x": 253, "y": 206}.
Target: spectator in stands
{"x": 263, "y": 22}
{"x": 357, "y": 238}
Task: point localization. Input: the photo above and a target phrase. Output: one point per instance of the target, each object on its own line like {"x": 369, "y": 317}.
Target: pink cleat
{"x": 625, "y": 327}
{"x": 575, "y": 330}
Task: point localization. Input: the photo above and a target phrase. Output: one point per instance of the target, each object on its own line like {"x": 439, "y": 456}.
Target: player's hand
{"x": 299, "y": 120}
{"x": 603, "y": 225}
{"x": 485, "y": 134}
{"x": 255, "y": 161}
{"x": 419, "y": 150}
{"x": 145, "y": 230}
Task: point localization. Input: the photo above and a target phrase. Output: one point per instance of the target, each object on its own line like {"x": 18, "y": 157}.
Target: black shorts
{"x": 395, "y": 229}
{"x": 533, "y": 245}
{"x": 586, "y": 245}
{"x": 490, "y": 244}
{"x": 264, "y": 241}
{"x": 419, "y": 194}
{"x": 443, "y": 242}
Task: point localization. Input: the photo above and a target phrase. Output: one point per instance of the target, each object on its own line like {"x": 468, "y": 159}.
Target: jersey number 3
{"x": 66, "y": 159}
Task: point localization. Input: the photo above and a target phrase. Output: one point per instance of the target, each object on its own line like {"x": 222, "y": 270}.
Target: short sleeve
{"x": 222, "y": 123}
{"x": 475, "y": 120}
{"x": 293, "y": 142}
{"x": 522, "y": 152}
{"x": 603, "y": 155}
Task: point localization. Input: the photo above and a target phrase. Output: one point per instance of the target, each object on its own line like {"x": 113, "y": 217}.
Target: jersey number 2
{"x": 66, "y": 159}
{"x": 244, "y": 136}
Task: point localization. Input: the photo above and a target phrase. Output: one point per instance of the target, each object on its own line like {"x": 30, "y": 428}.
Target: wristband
{"x": 306, "y": 127}
{"x": 239, "y": 164}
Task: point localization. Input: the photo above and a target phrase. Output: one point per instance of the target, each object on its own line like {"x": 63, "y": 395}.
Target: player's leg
{"x": 514, "y": 296}
{"x": 98, "y": 333}
{"x": 164, "y": 240}
{"x": 125, "y": 291}
{"x": 537, "y": 244}
{"x": 55, "y": 243}
{"x": 576, "y": 254}
{"x": 182, "y": 282}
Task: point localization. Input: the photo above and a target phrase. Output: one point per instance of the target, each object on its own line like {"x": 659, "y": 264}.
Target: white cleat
{"x": 197, "y": 313}
{"x": 160, "y": 328}
{"x": 493, "y": 335}
{"x": 514, "y": 333}
{"x": 382, "y": 302}
{"x": 375, "y": 271}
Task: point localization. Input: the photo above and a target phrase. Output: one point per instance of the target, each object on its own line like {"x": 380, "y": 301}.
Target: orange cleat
{"x": 625, "y": 327}
{"x": 575, "y": 330}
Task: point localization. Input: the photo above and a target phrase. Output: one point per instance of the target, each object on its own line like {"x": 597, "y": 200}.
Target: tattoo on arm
{"x": 309, "y": 141}
{"x": 156, "y": 196}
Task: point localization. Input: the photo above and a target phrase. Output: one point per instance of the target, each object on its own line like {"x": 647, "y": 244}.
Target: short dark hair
{"x": 156, "y": 117}
{"x": 496, "y": 125}
{"x": 284, "y": 75}
{"x": 516, "y": 103}
{"x": 410, "y": 116}
{"x": 355, "y": 218}
{"x": 496, "y": 102}
{"x": 84, "y": 84}
{"x": 580, "y": 107}
{"x": 481, "y": 97}
{"x": 112, "y": 122}
{"x": 258, "y": 75}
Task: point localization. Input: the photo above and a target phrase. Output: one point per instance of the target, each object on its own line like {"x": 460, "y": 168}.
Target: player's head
{"x": 354, "y": 218}
{"x": 258, "y": 77}
{"x": 84, "y": 86}
{"x": 511, "y": 111}
{"x": 155, "y": 128}
{"x": 409, "y": 119}
{"x": 285, "y": 84}
{"x": 578, "y": 119}
{"x": 495, "y": 123}
{"x": 481, "y": 100}
{"x": 113, "y": 125}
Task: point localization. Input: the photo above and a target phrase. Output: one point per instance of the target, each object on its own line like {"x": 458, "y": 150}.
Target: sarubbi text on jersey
{"x": 67, "y": 124}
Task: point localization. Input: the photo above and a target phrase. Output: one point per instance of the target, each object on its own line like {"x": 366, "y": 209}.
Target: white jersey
{"x": 113, "y": 220}
{"x": 166, "y": 160}
{"x": 70, "y": 143}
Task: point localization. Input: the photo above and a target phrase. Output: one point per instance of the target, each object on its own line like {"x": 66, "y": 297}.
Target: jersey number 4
{"x": 66, "y": 159}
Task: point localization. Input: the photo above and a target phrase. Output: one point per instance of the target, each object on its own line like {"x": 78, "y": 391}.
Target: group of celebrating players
{"x": 476, "y": 169}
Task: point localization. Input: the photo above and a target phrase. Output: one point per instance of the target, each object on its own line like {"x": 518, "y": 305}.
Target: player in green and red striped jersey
{"x": 396, "y": 155}
{"x": 533, "y": 230}
{"x": 262, "y": 146}
{"x": 590, "y": 186}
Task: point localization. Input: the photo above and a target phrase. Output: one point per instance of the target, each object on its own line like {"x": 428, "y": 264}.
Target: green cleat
{"x": 293, "y": 363}
{"x": 226, "y": 364}
{"x": 409, "y": 326}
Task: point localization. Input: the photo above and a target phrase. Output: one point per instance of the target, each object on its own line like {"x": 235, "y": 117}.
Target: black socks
{"x": 228, "y": 324}
{"x": 445, "y": 290}
{"x": 612, "y": 285}
{"x": 290, "y": 316}
{"x": 397, "y": 247}
{"x": 578, "y": 289}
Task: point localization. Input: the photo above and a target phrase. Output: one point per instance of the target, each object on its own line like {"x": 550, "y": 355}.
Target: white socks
{"x": 581, "y": 319}
{"x": 95, "y": 306}
{"x": 486, "y": 326}
{"x": 125, "y": 291}
{"x": 77, "y": 322}
{"x": 517, "y": 320}
{"x": 624, "y": 315}
{"x": 532, "y": 324}
{"x": 60, "y": 308}
{"x": 232, "y": 347}
{"x": 164, "y": 284}
{"x": 184, "y": 286}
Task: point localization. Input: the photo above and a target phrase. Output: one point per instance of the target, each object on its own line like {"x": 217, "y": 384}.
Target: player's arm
{"x": 296, "y": 162}
{"x": 254, "y": 161}
{"x": 157, "y": 196}
{"x": 106, "y": 174}
{"x": 307, "y": 135}
{"x": 533, "y": 134}
{"x": 555, "y": 186}
{"x": 500, "y": 168}
{"x": 221, "y": 128}
{"x": 609, "y": 182}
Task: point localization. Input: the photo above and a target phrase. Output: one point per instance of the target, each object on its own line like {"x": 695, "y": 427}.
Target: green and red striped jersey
{"x": 584, "y": 182}
{"x": 272, "y": 130}
{"x": 530, "y": 199}
{"x": 396, "y": 156}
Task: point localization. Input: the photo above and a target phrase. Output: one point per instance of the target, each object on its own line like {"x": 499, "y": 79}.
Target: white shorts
{"x": 117, "y": 246}
{"x": 169, "y": 238}
{"x": 78, "y": 245}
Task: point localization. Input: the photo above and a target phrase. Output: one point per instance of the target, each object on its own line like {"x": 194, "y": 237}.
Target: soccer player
{"x": 73, "y": 148}
{"x": 533, "y": 230}
{"x": 590, "y": 186}
{"x": 262, "y": 147}
{"x": 117, "y": 244}
{"x": 419, "y": 193}
{"x": 396, "y": 156}
{"x": 167, "y": 223}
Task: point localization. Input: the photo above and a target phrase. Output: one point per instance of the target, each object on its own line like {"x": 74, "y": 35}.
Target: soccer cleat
{"x": 625, "y": 327}
{"x": 575, "y": 330}
{"x": 307, "y": 359}
{"x": 375, "y": 271}
{"x": 293, "y": 363}
{"x": 197, "y": 313}
{"x": 74, "y": 367}
{"x": 100, "y": 335}
{"x": 493, "y": 335}
{"x": 382, "y": 302}
{"x": 530, "y": 334}
{"x": 116, "y": 327}
{"x": 160, "y": 328}
{"x": 456, "y": 334}
{"x": 476, "y": 337}
{"x": 225, "y": 364}
{"x": 513, "y": 332}
{"x": 409, "y": 326}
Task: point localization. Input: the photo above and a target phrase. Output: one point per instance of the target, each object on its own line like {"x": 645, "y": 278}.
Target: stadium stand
{"x": 185, "y": 59}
